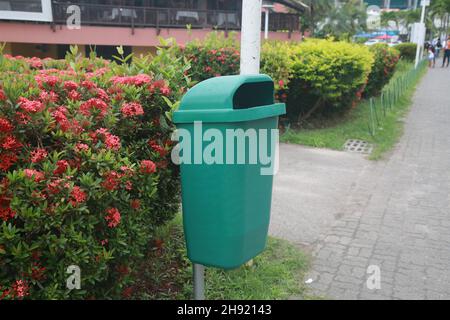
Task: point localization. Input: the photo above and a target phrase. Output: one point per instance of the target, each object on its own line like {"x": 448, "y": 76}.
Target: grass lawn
{"x": 167, "y": 274}
{"x": 333, "y": 133}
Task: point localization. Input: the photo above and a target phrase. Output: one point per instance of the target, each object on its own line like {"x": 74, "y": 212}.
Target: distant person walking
{"x": 446, "y": 53}
{"x": 438, "y": 48}
{"x": 431, "y": 57}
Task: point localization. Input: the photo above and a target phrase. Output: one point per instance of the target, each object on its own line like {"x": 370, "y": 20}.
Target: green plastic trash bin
{"x": 226, "y": 204}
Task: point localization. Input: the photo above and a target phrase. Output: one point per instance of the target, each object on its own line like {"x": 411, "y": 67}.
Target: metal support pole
{"x": 419, "y": 51}
{"x": 251, "y": 37}
{"x": 199, "y": 282}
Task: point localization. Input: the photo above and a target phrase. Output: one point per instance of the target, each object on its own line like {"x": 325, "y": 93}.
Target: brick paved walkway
{"x": 394, "y": 214}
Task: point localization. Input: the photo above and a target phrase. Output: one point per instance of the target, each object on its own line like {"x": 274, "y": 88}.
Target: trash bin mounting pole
{"x": 250, "y": 64}
{"x": 199, "y": 282}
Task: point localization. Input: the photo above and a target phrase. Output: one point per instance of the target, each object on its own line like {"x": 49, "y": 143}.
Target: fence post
{"x": 372, "y": 121}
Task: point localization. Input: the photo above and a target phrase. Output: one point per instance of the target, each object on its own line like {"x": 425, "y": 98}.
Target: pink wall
{"x": 43, "y": 33}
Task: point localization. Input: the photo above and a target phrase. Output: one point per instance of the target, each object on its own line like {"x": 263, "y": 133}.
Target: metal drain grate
{"x": 358, "y": 146}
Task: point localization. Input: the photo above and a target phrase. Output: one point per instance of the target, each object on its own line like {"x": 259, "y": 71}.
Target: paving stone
{"x": 393, "y": 213}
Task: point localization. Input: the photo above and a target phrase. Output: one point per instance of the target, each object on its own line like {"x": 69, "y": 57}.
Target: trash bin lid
{"x": 230, "y": 99}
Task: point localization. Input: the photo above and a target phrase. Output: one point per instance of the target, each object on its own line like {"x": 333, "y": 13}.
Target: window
{"x": 30, "y": 10}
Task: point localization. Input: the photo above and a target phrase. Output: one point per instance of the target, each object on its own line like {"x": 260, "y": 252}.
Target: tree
{"x": 318, "y": 10}
{"x": 440, "y": 9}
{"x": 345, "y": 20}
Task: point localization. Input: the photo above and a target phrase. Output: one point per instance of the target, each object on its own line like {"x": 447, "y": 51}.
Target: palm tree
{"x": 318, "y": 10}
{"x": 345, "y": 19}
{"x": 440, "y": 9}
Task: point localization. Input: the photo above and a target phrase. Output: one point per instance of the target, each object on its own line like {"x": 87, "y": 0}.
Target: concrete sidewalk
{"x": 352, "y": 213}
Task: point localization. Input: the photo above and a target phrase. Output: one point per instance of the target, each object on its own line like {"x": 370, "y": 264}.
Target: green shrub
{"x": 85, "y": 170}
{"x": 407, "y": 51}
{"x": 386, "y": 60}
{"x": 327, "y": 77}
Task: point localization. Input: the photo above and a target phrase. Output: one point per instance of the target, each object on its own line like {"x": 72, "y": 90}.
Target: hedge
{"x": 327, "y": 77}
{"x": 407, "y": 51}
{"x": 85, "y": 170}
{"x": 312, "y": 77}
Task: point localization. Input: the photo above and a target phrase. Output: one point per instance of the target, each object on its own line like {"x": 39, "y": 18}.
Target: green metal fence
{"x": 395, "y": 90}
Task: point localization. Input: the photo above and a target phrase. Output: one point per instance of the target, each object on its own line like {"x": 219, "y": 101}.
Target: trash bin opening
{"x": 252, "y": 95}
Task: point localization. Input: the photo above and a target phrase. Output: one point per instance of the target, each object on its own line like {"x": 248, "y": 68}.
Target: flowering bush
{"x": 207, "y": 63}
{"x": 386, "y": 60}
{"x": 214, "y": 57}
{"x": 85, "y": 170}
{"x": 277, "y": 59}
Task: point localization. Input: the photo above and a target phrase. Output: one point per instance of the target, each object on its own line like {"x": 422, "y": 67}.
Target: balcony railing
{"x": 135, "y": 17}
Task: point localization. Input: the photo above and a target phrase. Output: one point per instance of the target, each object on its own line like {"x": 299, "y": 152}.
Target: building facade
{"x": 45, "y": 28}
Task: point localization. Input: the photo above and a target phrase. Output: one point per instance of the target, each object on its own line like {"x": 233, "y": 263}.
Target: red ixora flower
{"x": 70, "y": 85}
{"x": 74, "y": 95}
{"x": 11, "y": 143}
{"x": 35, "y": 62}
{"x": 148, "y": 167}
{"x": 2, "y": 95}
{"x": 127, "y": 293}
{"x": 61, "y": 119}
{"x": 80, "y": 147}
{"x": 22, "y": 118}
{"x": 112, "y": 217}
{"x": 112, "y": 181}
{"x": 34, "y": 174}
{"x": 54, "y": 187}
{"x": 37, "y": 272}
{"x": 135, "y": 204}
{"x": 139, "y": 80}
{"x": 78, "y": 196}
{"x": 5, "y": 126}
{"x": 156, "y": 147}
{"x": 30, "y": 106}
{"x": 7, "y": 160}
{"x": 49, "y": 80}
{"x": 94, "y": 104}
{"x": 88, "y": 84}
{"x": 6, "y": 214}
{"x": 38, "y": 155}
{"x": 61, "y": 167}
{"x": 132, "y": 109}
{"x": 101, "y": 94}
{"x": 48, "y": 96}
{"x": 20, "y": 288}
{"x": 162, "y": 86}
{"x": 111, "y": 141}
